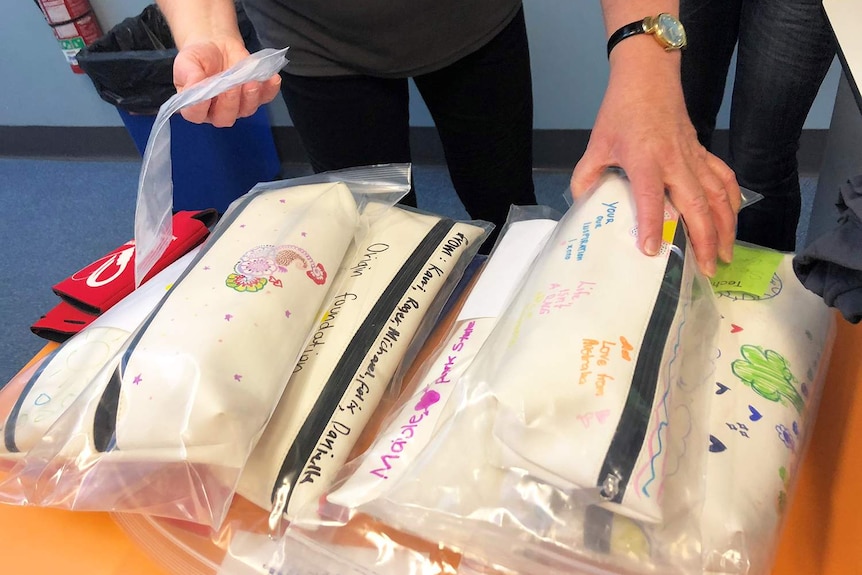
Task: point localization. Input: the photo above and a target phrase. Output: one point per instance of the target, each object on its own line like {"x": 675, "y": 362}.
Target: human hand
{"x": 643, "y": 127}
{"x": 198, "y": 60}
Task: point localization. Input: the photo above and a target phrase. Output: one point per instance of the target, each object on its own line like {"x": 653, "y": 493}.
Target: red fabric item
{"x": 103, "y": 283}
{"x": 62, "y": 322}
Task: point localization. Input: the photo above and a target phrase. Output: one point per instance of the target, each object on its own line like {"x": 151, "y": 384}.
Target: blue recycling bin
{"x": 210, "y": 166}
{"x": 131, "y": 67}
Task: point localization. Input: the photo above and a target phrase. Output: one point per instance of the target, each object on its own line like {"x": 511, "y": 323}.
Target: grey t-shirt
{"x": 387, "y": 38}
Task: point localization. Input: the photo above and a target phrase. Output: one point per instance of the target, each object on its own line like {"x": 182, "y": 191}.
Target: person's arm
{"x": 208, "y": 42}
{"x": 643, "y": 127}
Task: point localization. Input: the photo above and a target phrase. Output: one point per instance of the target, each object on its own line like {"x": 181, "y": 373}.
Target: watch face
{"x": 670, "y": 30}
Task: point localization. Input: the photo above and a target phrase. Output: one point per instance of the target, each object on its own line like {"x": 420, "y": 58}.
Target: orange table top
{"x": 53, "y": 541}
{"x": 42, "y": 541}
{"x": 821, "y": 536}
{"x": 824, "y": 521}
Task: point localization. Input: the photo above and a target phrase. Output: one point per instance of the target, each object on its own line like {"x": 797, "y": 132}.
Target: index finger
{"x": 188, "y": 72}
{"x": 649, "y": 195}
{"x": 689, "y": 198}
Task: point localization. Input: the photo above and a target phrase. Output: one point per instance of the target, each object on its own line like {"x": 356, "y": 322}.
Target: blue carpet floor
{"x": 59, "y": 216}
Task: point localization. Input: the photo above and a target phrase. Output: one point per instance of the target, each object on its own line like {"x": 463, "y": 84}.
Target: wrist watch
{"x": 665, "y": 28}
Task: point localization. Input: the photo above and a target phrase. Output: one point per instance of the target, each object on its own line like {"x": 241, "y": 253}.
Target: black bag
{"x": 132, "y": 65}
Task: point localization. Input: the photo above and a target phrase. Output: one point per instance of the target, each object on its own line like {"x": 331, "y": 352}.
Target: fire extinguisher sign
{"x": 74, "y": 26}
{"x": 71, "y": 47}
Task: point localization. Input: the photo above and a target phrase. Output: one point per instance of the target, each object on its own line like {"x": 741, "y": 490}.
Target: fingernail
{"x": 708, "y": 268}
{"x": 651, "y": 246}
{"x": 726, "y": 255}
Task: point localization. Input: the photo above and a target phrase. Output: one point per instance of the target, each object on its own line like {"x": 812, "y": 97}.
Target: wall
{"x": 567, "y": 44}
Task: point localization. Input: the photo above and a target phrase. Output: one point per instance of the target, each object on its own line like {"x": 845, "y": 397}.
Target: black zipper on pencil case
{"x": 105, "y": 418}
{"x": 629, "y": 436}
{"x": 342, "y": 375}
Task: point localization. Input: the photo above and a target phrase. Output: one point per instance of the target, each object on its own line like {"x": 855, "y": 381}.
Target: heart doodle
{"x": 755, "y": 415}
{"x": 429, "y": 398}
{"x": 735, "y": 328}
{"x": 715, "y": 445}
{"x": 721, "y": 388}
{"x": 42, "y": 399}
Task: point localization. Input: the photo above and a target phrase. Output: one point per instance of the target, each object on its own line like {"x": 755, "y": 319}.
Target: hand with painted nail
{"x": 643, "y": 128}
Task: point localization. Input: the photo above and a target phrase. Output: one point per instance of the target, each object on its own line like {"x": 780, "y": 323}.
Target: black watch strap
{"x": 625, "y": 32}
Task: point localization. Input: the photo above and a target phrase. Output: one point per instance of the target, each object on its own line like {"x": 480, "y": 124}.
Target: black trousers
{"x": 784, "y": 50}
{"x": 482, "y": 106}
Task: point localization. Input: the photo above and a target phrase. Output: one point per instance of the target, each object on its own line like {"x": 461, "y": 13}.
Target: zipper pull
{"x": 278, "y": 506}
{"x": 610, "y": 487}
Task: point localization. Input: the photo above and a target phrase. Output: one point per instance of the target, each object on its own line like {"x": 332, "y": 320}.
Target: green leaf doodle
{"x": 767, "y": 373}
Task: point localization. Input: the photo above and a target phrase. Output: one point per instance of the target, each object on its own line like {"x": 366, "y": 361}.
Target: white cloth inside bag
{"x": 412, "y": 426}
{"x": 586, "y": 382}
{"x": 771, "y": 367}
{"x": 201, "y": 377}
{"x": 385, "y": 287}
{"x": 582, "y": 358}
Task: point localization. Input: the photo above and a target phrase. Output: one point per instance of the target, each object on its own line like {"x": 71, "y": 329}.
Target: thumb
{"x": 192, "y": 66}
{"x": 586, "y": 173}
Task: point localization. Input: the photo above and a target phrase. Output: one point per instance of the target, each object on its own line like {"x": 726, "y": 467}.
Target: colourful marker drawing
{"x": 715, "y": 444}
{"x": 739, "y": 427}
{"x": 767, "y": 373}
{"x": 661, "y": 415}
{"x": 258, "y": 266}
{"x": 240, "y": 282}
{"x": 429, "y": 398}
{"x": 786, "y": 438}
{"x": 754, "y": 415}
{"x": 600, "y": 416}
{"x": 42, "y": 399}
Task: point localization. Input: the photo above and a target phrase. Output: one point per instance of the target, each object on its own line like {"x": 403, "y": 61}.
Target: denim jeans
{"x": 482, "y": 106}
{"x": 785, "y": 48}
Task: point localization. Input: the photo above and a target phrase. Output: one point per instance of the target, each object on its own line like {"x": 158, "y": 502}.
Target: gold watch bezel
{"x": 651, "y": 26}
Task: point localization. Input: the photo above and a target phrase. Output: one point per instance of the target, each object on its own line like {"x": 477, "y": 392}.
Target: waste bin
{"x": 131, "y": 67}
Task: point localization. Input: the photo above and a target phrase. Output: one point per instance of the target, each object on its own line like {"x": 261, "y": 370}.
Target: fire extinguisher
{"x": 74, "y": 25}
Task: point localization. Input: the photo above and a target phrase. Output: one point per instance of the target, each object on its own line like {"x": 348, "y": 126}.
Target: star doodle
{"x": 237, "y": 377}
{"x": 228, "y": 317}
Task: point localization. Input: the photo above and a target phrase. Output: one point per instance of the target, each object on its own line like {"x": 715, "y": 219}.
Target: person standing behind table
{"x": 345, "y": 87}
{"x": 785, "y": 49}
